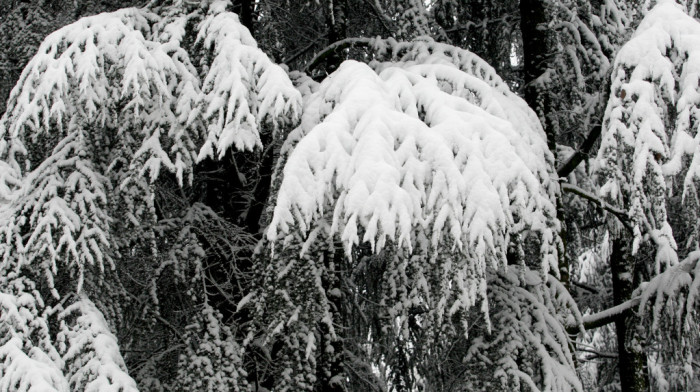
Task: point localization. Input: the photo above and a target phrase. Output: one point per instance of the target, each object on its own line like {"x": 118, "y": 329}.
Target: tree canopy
{"x": 350, "y": 196}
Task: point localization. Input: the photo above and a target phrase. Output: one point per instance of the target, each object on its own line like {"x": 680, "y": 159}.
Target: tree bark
{"x": 632, "y": 359}
{"x": 245, "y": 10}
{"x": 331, "y": 362}
{"x": 336, "y": 30}
{"x": 536, "y": 49}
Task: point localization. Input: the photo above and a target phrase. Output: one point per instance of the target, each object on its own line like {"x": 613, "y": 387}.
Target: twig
{"x": 336, "y": 46}
{"x": 598, "y": 354}
{"x": 299, "y": 53}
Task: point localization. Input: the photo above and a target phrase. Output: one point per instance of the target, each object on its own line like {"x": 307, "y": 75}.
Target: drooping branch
{"x": 621, "y": 215}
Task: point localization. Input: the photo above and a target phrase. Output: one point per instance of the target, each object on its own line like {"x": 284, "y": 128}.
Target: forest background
{"x": 487, "y": 195}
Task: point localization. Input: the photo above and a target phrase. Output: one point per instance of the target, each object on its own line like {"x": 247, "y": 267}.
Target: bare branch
{"x": 336, "y": 46}
{"x": 621, "y": 215}
{"x": 597, "y": 354}
{"x": 585, "y": 287}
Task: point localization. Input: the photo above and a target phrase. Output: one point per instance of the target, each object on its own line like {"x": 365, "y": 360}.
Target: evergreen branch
{"x": 584, "y": 149}
{"x": 621, "y": 215}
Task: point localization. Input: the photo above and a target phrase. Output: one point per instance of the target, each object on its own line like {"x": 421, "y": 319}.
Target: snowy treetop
{"x": 113, "y": 98}
{"x": 408, "y": 151}
{"x": 651, "y": 121}
{"x": 132, "y": 63}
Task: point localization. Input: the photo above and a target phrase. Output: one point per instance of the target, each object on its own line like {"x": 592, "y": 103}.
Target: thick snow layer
{"x": 128, "y": 69}
{"x": 93, "y": 362}
{"x": 28, "y": 361}
{"x": 418, "y": 147}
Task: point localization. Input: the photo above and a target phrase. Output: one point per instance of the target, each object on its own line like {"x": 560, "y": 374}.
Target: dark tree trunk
{"x": 632, "y": 359}
{"x": 536, "y": 48}
{"x": 246, "y": 11}
{"x": 330, "y": 368}
{"x": 336, "y": 27}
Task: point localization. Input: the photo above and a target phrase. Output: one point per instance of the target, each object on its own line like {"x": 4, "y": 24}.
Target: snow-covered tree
{"x": 424, "y": 219}
{"x": 428, "y": 157}
{"x": 28, "y": 360}
{"x": 646, "y": 163}
{"x": 105, "y": 106}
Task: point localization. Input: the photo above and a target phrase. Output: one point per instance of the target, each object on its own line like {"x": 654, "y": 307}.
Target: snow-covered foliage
{"x": 671, "y": 302}
{"x": 90, "y": 351}
{"x": 243, "y": 89}
{"x": 212, "y": 360}
{"x": 528, "y": 318}
{"x": 648, "y": 163}
{"x": 427, "y": 156}
{"x": 125, "y": 80}
{"x": 28, "y": 360}
{"x": 575, "y": 80}
{"x": 411, "y": 151}
{"x": 111, "y": 113}
{"x": 650, "y": 147}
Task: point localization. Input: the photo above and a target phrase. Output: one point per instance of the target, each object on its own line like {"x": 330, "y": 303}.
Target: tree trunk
{"x": 331, "y": 362}
{"x": 632, "y": 359}
{"x": 245, "y": 10}
{"x": 536, "y": 48}
{"x": 336, "y": 27}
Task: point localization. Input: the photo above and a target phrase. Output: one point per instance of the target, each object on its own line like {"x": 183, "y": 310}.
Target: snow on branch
{"x": 90, "y": 350}
{"x": 650, "y": 139}
{"x": 671, "y": 301}
{"x": 243, "y": 89}
{"x": 418, "y": 149}
{"x": 425, "y": 160}
{"x": 418, "y": 50}
{"x": 528, "y": 331}
{"x": 106, "y": 104}
{"x": 28, "y": 360}
{"x": 129, "y": 70}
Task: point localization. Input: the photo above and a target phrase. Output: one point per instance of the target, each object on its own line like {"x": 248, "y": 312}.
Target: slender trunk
{"x": 536, "y": 48}
{"x": 331, "y": 363}
{"x": 245, "y": 10}
{"x": 336, "y": 27}
{"x": 632, "y": 359}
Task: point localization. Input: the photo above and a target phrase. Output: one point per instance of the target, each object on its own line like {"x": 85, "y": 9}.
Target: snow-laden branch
{"x": 427, "y": 161}
{"x": 649, "y": 141}
{"x": 605, "y": 317}
{"x": 106, "y": 104}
